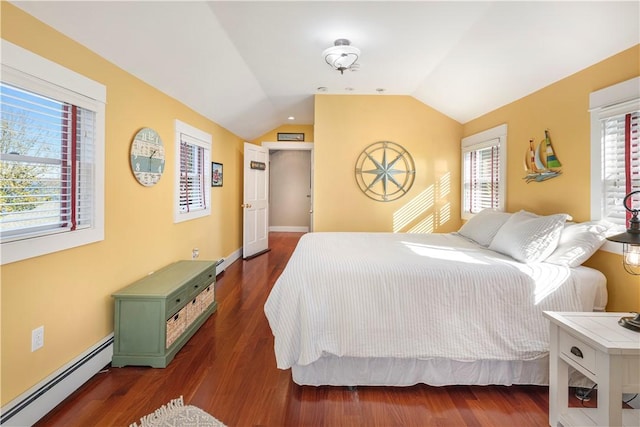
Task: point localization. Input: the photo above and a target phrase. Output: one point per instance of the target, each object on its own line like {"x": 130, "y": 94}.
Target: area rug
{"x": 176, "y": 414}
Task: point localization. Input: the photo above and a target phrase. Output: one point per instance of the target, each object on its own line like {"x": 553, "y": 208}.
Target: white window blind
{"x": 484, "y": 171}
{"x": 51, "y": 156}
{"x": 620, "y": 165}
{"x": 482, "y": 178}
{"x": 192, "y": 175}
{"x": 46, "y": 165}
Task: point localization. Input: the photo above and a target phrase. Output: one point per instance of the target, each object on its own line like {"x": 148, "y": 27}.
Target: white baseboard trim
{"x": 289, "y": 228}
{"x": 35, "y": 403}
{"x": 225, "y": 262}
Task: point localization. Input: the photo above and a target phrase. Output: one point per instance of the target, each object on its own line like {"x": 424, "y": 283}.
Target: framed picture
{"x": 291, "y": 137}
{"x": 216, "y": 174}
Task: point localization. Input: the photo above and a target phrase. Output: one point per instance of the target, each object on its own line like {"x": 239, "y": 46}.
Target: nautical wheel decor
{"x": 385, "y": 171}
{"x": 540, "y": 161}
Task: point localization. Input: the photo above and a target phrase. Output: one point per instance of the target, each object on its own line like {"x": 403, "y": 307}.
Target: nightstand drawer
{"x": 578, "y": 351}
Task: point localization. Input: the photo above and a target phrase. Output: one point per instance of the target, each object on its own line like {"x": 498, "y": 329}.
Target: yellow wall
{"x": 345, "y": 125}
{"x": 69, "y": 292}
{"x": 272, "y": 136}
{"x": 563, "y": 108}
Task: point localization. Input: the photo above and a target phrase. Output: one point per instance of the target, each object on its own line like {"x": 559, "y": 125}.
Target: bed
{"x": 441, "y": 309}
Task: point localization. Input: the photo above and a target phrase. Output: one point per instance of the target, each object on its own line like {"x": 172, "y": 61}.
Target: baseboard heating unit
{"x": 35, "y": 403}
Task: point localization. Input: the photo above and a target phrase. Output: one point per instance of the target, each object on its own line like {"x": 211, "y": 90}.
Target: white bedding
{"x": 417, "y": 296}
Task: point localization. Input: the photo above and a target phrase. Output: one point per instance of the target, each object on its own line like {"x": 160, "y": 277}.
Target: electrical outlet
{"x": 37, "y": 338}
{"x": 195, "y": 253}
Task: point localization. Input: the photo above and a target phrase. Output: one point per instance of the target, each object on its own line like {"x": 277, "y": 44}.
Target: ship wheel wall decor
{"x": 385, "y": 171}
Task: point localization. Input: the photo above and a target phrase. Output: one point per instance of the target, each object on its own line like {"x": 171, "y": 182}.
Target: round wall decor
{"x": 147, "y": 157}
{"x": 385, "y": 171}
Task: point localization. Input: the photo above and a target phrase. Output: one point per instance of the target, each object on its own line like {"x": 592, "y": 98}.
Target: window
{"x": 484, "y": 170}
{"x": 51, "y": 157}
{"x": 193, "y": 181}
{"x": 615, "y": 153}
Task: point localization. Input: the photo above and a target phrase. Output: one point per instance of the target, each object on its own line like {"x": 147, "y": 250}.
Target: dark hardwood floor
{"x": 228, "y": 369}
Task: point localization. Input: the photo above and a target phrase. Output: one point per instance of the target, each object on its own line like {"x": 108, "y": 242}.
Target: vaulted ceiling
{"x": 248, "y": 66}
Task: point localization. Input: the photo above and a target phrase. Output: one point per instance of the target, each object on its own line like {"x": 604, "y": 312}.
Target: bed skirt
{"x": 353, "y": 371}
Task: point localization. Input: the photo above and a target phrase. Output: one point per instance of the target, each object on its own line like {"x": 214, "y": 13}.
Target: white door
{"x": 255, "y": 216}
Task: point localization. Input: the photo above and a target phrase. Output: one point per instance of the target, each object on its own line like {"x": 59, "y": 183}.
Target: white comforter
{"x": 412, "y": 296}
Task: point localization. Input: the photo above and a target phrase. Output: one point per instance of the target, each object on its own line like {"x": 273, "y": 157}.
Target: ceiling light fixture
{"x": 341, "y": 56}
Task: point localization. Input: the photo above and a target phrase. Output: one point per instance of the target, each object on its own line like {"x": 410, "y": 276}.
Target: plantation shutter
{"x": 46, "y": 165}
{"x": 192, "y": 174}
{"x": 621, "y": 164}
{"x": 482, "y": 176}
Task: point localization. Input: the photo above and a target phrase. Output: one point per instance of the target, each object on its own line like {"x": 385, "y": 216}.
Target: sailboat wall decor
{"x": 540, "y": 161}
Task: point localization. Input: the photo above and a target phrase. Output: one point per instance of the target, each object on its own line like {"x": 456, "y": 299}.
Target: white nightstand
{"x": 607, "y": 354}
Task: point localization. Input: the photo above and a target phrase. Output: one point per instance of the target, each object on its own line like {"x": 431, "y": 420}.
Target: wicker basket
{"x": 193, "y": 310}
{"x": 207, "y": 297}
{"x": 176, "y": 326}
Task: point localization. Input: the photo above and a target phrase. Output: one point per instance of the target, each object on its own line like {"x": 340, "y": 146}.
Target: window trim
{"x": 33, "y": 72}
{"x": 481, "y": 140}
{"x": 204, "y": 140}
{"x": 612, "y": 100}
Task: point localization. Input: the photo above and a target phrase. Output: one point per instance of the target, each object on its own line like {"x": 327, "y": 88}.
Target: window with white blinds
{"x": 484, "y": 171}
{"x": 51, "y": 157}
{"x": 615, "y": 154}
{"x": 46, "y": 165}
{"x": 192, "y": 190}
{"x": 620, "y": 165}
{"x": 193, "y": 173}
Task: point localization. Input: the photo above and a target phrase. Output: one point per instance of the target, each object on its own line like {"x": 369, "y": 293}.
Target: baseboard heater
{"x": 220, "y": 266}
{"x": 35, "y": 403}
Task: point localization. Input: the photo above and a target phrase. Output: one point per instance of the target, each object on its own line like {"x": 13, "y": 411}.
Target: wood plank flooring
{"x": 228, "y": 369}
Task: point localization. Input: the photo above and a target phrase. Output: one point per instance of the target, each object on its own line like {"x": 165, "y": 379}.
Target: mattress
{"x": 423, "y": 300}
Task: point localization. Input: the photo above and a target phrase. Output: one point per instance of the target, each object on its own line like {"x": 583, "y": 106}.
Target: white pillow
{"x": 527, "y": 237}
{"x": 578, "y": 242}
{"x": 484, "y": 225}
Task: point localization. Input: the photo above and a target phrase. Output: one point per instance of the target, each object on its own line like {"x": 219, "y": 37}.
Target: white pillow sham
{"x": 578, "y": 242}
{"x": 483, "y": 226}
{"x": 529, "y": 238}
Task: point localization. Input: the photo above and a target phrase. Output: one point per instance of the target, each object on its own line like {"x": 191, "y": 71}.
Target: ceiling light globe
{"x": 342, "y": 56}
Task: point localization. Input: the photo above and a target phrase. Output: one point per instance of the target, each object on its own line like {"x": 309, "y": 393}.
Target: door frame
{"x": 305, "y": 146}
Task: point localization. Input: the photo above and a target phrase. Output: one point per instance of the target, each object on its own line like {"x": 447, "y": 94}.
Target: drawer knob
{"x": 178, "y": 301}
{"x": 576, "y": 352}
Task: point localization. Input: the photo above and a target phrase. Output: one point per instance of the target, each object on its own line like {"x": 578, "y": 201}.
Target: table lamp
{"x": 630, "y": 240}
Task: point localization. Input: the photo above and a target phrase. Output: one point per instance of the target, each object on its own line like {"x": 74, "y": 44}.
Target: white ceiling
{"x": 249, "y": 65}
